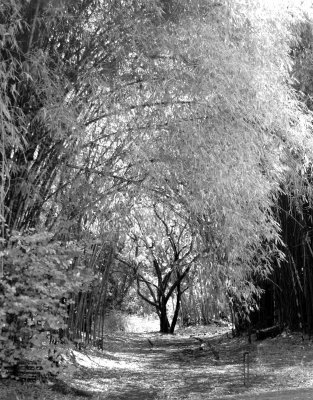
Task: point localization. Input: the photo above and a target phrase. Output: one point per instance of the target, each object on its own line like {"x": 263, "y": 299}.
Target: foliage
{"x": 224, "y": 146}
{"x": 107, "y": 104}
{"x": 54, "y": 68}
{"x": 39, "y": 275}
{"x": 206, "y": 297}
{"x": 288, "y": 293}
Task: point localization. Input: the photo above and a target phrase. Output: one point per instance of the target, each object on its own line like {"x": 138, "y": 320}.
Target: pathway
{"x": 192, "y": 365}
{"x": 180, "y": 367}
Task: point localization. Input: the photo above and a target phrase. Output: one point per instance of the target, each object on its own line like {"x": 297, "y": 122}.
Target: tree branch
{"x": 154, "y": 302}
{"x": 177, "y": 282}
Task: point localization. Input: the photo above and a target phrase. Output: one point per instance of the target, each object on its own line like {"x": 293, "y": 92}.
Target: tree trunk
{"x": 164, "y": 324}
{"x": 177, "y": 308}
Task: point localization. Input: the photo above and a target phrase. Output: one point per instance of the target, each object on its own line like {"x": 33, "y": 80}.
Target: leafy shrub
{"x": 39, "y": 275}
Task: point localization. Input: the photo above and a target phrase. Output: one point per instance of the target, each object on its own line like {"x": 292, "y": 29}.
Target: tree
{"x": 161, "y": 249}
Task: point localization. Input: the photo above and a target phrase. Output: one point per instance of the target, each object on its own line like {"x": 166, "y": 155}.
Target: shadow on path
{"x": 183, "y": 367}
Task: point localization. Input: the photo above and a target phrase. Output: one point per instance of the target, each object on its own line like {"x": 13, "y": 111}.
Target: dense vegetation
{"x": 156, "y": 146}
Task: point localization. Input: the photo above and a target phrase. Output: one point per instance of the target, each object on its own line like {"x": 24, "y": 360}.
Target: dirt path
{"x": 162, "y": 367}
{"x": 180, "y": 367}
{"x": 169, "y": 367}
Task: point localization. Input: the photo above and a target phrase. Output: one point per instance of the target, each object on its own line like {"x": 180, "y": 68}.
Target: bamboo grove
{"x": 152, "y": 148}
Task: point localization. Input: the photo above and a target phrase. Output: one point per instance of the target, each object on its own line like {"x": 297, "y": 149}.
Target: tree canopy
{"x": 160, "y": 131}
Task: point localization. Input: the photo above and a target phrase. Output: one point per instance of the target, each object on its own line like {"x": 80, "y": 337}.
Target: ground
{"x": 195, "y": 363}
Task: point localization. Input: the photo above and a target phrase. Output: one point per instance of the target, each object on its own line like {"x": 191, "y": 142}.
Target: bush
{"x": 39, "y": 275}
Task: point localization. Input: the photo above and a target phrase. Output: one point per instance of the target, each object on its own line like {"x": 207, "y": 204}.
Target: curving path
{"x": 187, "y": 366}
{"x": 198, "y": 364}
